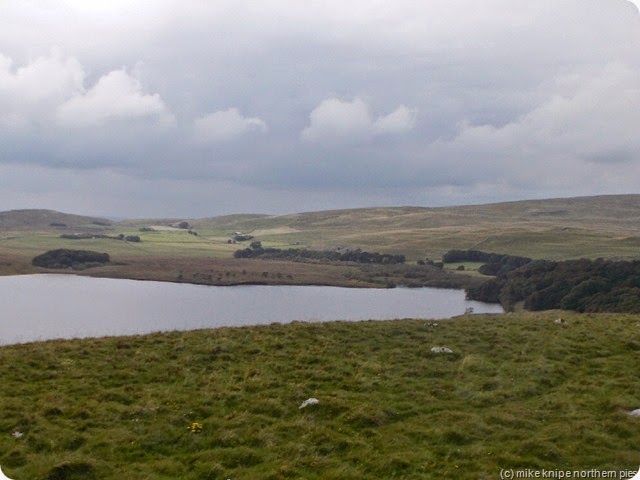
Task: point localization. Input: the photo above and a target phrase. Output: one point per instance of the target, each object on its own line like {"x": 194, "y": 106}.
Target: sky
{"x": 198, "y": 108}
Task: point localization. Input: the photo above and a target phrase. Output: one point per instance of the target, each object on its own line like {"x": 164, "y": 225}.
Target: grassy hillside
{"x": 519, "y": 391}
{"x": 49, "y": 219}
{"x": 558, "y": 229}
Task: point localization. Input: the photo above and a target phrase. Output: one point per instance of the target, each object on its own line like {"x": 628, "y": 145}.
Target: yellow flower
{"x": 195, "y": 427}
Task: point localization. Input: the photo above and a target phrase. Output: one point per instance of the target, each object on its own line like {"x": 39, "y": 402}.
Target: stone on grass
{"x": 441, "y": 350}
{"x": 635, "y": 413}
{"x": 309, "y": 401}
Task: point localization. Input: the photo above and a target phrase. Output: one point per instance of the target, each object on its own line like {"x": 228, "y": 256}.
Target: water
{"x": 43, "y": 307}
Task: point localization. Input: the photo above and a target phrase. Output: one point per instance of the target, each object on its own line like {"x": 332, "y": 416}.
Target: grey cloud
{"x": 347, "y": 121}
{"x": 225, "y": 125}
{"x": 408, "y": 99}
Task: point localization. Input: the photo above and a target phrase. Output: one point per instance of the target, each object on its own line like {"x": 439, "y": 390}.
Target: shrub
{"x": 63, "y": 258}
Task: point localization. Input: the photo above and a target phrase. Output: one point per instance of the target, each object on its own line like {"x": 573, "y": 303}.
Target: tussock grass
{"x": 519, "y": 391}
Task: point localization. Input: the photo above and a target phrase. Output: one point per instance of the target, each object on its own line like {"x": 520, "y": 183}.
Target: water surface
{"x": 43, "y": 307}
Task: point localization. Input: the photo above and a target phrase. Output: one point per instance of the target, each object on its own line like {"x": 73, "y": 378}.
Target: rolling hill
{"x": 556, "y": 229}
{"x": 606, "y": 226}
{"x": 44, "y": 219}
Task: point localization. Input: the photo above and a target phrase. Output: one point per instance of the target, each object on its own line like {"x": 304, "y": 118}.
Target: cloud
{"x": 116, "y": 96}
{"x": 583, "y": 132}
{"x": 50, "y": 91}
{"x": 338, "y": 120}
{"x": 225, "y": 125}
{"x": 402, "y": 119}
{"x": 451, "y": 97}
{"x": 30, "y": 92}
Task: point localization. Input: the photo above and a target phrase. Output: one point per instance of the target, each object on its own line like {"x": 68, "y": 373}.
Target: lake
{"x": 43, "y": 307}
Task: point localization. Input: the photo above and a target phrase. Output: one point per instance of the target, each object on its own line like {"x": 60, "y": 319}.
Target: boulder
{"x": 441, "y": 350}
{"x": 309, "y": 401}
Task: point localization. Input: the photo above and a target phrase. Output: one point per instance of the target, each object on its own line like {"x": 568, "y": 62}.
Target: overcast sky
{"x": 198, "y": 108}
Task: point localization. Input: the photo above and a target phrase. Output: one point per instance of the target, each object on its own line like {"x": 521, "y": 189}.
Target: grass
{"x": 519, "y": 391}
{"x": 557, "y": 229}
{"x": 554, "y": 229}
{"x": 470, "y": 268}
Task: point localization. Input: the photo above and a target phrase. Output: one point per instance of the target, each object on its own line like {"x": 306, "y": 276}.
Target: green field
{"x": 556, "y": 229}
{"x": 519, "y": 391}
{"x": 553, "y": 229}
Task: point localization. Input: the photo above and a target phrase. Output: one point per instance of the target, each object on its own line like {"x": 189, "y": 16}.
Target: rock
{"x": 441, "y": 350}
{"x": 635, "y": 413}
{"x": 309, "y": 401}
{"x": 3, "y": 476}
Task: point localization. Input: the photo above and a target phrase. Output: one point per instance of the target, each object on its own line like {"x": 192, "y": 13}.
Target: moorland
{"x": 202, "y": 250}
{"x": 522, "y": 390}
{"x": 519, "y": 391}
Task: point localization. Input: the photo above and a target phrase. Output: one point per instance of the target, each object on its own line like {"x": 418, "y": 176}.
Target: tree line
{"x": 581, "y": 285}
{"x": 494, "y": 263}
{"x": 87, "y": 236}
{"x": 256, "y": 250}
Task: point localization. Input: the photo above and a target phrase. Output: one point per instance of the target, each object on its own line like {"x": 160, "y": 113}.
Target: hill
{"x": 202, "y": 250}
{"x": 561, "y": 228}
{"x": 46, "y": 219}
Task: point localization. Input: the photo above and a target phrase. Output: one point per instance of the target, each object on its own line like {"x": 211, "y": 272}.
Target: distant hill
{"x": 622, "y": 212}
{"x": 563, "y": 228}
{"x": 46, "y": 219}
{"x": 224, "y": 221}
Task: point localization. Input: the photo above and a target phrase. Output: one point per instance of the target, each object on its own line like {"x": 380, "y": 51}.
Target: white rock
{"x": 441, "y": 350}
{"x": 306, "y": 403}
{"x": 635, "y": 413}
{"x": 16, "y": 434}
{"x": 3, "y": 476}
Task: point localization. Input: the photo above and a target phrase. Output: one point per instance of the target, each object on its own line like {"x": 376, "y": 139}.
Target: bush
{"x": 242, "y": 238}
{"x": 63, "y": 258}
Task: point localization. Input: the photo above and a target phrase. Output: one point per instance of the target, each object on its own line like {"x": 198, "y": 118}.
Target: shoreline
{"x": 47, "y": 306}
{"x": 232, "y": 272}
